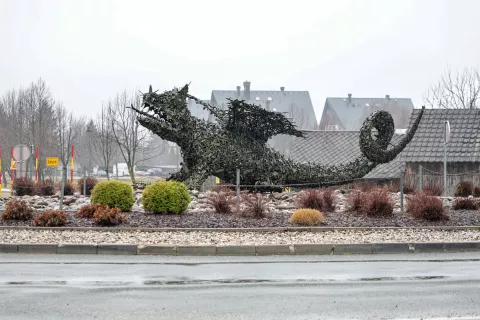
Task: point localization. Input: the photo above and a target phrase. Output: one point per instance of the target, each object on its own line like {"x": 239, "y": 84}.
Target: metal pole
{"x": 445, "y": 158}
{"x": 420, "y": 177}
{"x": 238, "y": 183}
{"x": 401, "y": 192}
{"x": 62, "y": 189}
{"x": 84, "y": 181}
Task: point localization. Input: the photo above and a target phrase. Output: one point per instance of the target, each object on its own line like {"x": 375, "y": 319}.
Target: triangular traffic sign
{"x": 14, "y": 165}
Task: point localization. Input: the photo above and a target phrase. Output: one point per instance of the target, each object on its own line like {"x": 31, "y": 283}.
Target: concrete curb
{"x": 243, "y": 250}
{"x": 273, "y": 229}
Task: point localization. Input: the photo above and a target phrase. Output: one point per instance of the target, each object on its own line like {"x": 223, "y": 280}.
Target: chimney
{"x": 267, "y": 105}
{"x": 349, "y": 97}
{"x": 282, "y": 89}
{"x": 246, "y": 89}
{"x": 387, "y": 96}
{"x": 238, "y": 91}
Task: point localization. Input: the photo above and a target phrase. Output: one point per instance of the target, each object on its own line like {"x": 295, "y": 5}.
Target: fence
{"x": 425, "y": 179}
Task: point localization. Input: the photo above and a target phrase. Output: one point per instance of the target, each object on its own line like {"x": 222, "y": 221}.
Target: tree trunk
{"x": 132, "y": 174}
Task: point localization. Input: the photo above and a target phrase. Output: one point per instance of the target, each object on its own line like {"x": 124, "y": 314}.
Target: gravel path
{"x": 232, "y": 238}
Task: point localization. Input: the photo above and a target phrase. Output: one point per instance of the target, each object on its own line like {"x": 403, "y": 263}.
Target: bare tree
{"x": 68, "y": 129}
{"x": 104, "y": 145}
{"x": 456, "y": 90}
{"x": 131, "y": 138}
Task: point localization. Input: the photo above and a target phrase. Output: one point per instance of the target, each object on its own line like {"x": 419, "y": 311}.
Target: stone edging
{"x": 272, "y": 229}
{"x": 242, "y": 250}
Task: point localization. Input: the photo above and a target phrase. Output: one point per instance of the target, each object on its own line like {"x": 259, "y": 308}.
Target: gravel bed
{"x": 235, "y": 238}
{"x": 209, "y": 219}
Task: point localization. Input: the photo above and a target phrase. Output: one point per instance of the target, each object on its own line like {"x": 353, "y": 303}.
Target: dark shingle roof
{"x": 281, "y": 101}
{"x": 427, "y": 144}
{"x": 340, "y": 147}
{"x": 353, "y": 112}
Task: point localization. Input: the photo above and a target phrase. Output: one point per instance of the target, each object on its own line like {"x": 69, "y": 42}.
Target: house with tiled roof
{"x": 349, "y": 113}
{"x": 332, "y": 147}
{"x": 296, "y": 105}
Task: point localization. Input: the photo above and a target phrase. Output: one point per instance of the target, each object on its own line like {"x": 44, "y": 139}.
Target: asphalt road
{"x": 323, "y": 287}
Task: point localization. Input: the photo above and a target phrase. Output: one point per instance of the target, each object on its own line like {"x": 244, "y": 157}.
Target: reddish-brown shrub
{"x": 106, "y": 216}
{"x": 309, "y": 199}
{"x": 51, "y": 218}
{"x": 87, "y": 211}
{"x": 433, "y": 187}
{"x": 364, "y": 186}
{"x": 329, "y": 198}
{"x": 464, "y": 204}
{"x": 255, "y": 205}
{"x": 377, "y": 204}
{"x": 45, "y": 188}
{"x": 221, "y": 202}
{"x": 476, "y": 192}
{"x": 18, "y": 210}
{"x": 90, "y": 183}
{"x": 68, "y": 189}
{"x": 356, "y": 200}
{"x": 464, "y": 189}
{"x": 23, "y": 187}
{"x": 424, "y": 206}
{"x": 393, "y": 186}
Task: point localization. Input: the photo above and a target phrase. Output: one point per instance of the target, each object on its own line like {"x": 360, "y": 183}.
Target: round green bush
{"x": 113, "y": 194}
{"x": 166, "y": 197}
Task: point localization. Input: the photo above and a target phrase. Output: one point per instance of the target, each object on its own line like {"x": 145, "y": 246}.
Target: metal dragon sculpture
{"x": 238, "y": 139}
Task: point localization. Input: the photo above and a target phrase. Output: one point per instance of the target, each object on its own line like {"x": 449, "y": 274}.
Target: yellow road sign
{"x": 14, "y": 165}
{"x": 52, "y": 162}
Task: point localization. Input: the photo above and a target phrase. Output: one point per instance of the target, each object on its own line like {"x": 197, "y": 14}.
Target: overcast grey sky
{"x": 89, "y": 50}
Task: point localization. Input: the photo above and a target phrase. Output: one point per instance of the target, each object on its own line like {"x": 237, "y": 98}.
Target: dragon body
{"x": 238, "y": 139}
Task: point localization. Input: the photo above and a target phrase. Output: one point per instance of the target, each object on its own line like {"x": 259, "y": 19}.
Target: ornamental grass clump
{"x": 464, "y": 204}
{"x": 464, "y": 189}
{"x": 377, "y": 204}
{"x": 255, "y": 205}
{"x": 309, "y": 199}
{"x": 306, "y": 217}
{"x": 222, "y": 202}
{"x": 427, "y": 207}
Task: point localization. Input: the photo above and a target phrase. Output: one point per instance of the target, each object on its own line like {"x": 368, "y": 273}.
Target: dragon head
{"x": 166, "y": 114}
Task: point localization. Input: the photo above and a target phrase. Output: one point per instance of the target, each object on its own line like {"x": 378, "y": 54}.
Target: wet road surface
{"x": 323, "y": 287}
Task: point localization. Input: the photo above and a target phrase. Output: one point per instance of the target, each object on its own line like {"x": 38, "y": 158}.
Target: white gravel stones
{"x": 236, "y": 238}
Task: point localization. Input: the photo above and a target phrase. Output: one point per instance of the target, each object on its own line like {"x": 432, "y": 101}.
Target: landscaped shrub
{"x": 45, "y": 188}
{"x": 364, "y": 186}
{"x": 329, "y": 199}
{"x": 356, "y": 200}
{"x": 18, "y": 210}
{"x": 87, "y": 211}
{"x": 255, "y": 205}
{"x": 113, "y": 194}
{"x": 476, "y": 192}
{"x": 306, "y": 217}
{"x": 377, "y": 204}
{"x": 424, "y": 206}
{"x": 90, "y": 183}
{"x": 464, "y": 189}
{"x": 23, "y": 187}
{"x": 106, "y": 216}
{"x": 433, "y": 187}
{"x": 68, "y": 188}
{"x": 464, "y": 204}
{"x": 393, "y": 186}
{"x": 166, "y": 197}
{"x": 221, "y": 202}
{"x": 51, "y": 218}
{"x": 309, "y": 199}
